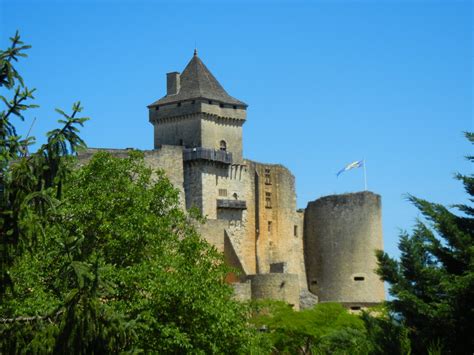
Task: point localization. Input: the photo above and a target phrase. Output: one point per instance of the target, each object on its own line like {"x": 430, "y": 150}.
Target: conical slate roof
{"x": 197, "y": 82}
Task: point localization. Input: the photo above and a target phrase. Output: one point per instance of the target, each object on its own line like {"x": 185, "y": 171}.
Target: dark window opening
{"x": 210, "y": 102}
{"x": 355, "y": 308}
{"x": 359, "y": 278}
{"x": 221, "y": 105}
{"x": 235, "y": 107}
{"x": 223, "y": 145}
{"x": 193, "y": 102}
{"x": 157, "y": 108}
{"x": 181, "y": 142}
{"x": 268, "y": 177}
{"x": 314, "y": 282}
{"x": 268, "y": 199}
{"x": 270, "y": 227}
{"x": 179, "y": 104}
{"x": 295, "y": 231}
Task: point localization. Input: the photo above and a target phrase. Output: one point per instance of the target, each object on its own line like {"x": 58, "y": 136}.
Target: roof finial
{"x": 195, "y": 52}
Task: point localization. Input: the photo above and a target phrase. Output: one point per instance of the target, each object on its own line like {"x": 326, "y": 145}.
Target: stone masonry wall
{"x": 215, "y": 129}
{"x": 342, "y": 233}
{"x": 279, "y": 224}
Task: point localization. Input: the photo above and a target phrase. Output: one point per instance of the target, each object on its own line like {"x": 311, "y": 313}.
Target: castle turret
{"x": 199, "y": 114}
{"x": 341, "y": 234}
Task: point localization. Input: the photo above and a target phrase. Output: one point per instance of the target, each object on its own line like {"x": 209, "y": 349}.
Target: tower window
{"x": 223, "y": 192}
{"x": 268, "y": 177}
{"x": 210, "y": 102}
{"x": 223, "y": 145}
{"x": 269, "y": 227}
{"x": 359, "y": 278}
{"x": 268, "y": 199}
{"x": 157, "y": 108}
{"x": 295, "y": 231}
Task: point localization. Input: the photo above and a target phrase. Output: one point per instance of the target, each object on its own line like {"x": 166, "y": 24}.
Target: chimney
{"x": 173, "y": 83}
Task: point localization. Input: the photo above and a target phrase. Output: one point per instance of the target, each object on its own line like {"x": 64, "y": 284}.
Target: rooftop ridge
{"x": 197, "y": 81}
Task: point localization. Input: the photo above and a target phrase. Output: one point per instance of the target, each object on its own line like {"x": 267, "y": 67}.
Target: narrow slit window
{"x": 268, "y": 177}
{"x": 269, "y": 227}
{"x": 359, "y": 278}
{"x": 268, "y": 199}
{"x": 223, "y": 145}
{"x": 355, "y": 308}
{"x": 295, "y": 231}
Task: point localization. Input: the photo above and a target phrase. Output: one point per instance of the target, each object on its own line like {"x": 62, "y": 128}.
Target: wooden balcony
{"x": 207, "y": 154}
{"x": 232, "y": 204}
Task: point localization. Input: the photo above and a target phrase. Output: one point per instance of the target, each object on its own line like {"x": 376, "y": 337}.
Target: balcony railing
{"x": 207, "y": 154}
{"x": 235, "y": 204}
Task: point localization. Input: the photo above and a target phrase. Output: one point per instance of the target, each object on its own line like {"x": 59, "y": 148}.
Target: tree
{"x": 122, "y": 256}
{"x": 100, "y": 258}
{"x": 328, "y": 328}
{"x": 433, "y": 282}
{"x": 37, "y": 178}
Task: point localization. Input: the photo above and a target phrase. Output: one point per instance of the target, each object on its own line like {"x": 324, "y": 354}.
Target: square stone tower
{"x": 197, "y": 113}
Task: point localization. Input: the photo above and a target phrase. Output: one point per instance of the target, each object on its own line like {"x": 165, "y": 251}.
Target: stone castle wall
{"x": 341, "y": 235}
{"x": 329, "y": 246}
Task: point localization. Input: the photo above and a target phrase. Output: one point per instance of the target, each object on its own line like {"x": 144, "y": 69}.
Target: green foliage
{"x": 386, "y": 334}
{"x": 328, "y": 328}
{"x": 27, "y": 182}
{"x": 122, "y": 268}
{"x": 100, "y": 258}
{"x": 433, "y": 283}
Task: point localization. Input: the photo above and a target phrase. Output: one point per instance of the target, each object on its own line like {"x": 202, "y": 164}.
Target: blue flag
{"x": 353, "y": 165}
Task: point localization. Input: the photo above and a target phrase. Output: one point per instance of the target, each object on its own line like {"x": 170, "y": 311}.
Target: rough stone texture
{"x": 282, "y": 287}
{"x": 199, "y": 125}
{"x": 307, "y": 299}
{"x": 341, "y": 235}
{"x": 242, "y": 291}
{"x": 275, "y": 204}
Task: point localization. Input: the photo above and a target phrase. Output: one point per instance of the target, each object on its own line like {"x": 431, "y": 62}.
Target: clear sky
{"x": 326, "y": 82}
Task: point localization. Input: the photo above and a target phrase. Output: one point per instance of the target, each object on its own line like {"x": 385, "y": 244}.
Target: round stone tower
{"x": 276, "y": 286}
{"x": 341, "y": 234}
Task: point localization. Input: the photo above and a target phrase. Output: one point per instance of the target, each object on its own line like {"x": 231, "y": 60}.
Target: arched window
{"x": 223, "y": 145}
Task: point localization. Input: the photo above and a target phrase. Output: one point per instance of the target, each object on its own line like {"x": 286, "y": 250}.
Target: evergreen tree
{"x": 100, "y": 258}
{"x": 433, "y": 282}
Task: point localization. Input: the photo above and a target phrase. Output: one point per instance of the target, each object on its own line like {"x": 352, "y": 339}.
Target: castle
{"x": 281, "y": 252}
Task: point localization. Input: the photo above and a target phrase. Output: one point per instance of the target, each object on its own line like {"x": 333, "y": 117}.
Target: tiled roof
{"x": 197, "y": 82}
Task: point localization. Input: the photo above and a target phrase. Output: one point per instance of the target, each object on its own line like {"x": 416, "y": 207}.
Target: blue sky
{"x": 327, "y": 83}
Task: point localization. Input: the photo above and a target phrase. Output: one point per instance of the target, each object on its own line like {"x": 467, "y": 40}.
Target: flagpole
{"x": 365, "y": 177}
